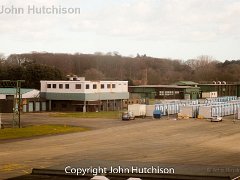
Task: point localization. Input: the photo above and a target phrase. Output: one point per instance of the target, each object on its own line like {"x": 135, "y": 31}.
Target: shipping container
{"x": 137, "y": 109}
{"x": 205, "y": 111}
{"x": 238, "y": 113}
{"x": 149, "y": 110}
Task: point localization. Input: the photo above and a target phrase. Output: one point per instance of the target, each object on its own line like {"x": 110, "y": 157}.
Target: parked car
{"x": 128, "y": 115}
{"x": 216, "y": 119}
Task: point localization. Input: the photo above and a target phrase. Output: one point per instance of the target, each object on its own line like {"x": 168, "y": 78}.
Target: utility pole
{"x": 17, "y": 105}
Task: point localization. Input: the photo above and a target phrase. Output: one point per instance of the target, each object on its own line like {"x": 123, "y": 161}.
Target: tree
{"x": 113, "y": 66}
{"x": 17, "y": 59}
{"x": 203, "y": 68}
{"x": 2, "y": 57}
{"x": 34, "y": 73}
{"x": 93, "y": 74}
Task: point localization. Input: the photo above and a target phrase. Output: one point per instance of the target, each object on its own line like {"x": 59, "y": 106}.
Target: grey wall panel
{"x": 30, "y": 107}
{"x": 24, "y": 108}
{"x": 44, "y": 106}
{"x": 63, "y": 96}
{"x": 105, "y": 96}
{"x": 37, "y": 106}
{"x": 85, "y": 96}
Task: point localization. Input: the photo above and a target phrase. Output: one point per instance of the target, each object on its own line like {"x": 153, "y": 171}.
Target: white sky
{"x": 177, "y": 29}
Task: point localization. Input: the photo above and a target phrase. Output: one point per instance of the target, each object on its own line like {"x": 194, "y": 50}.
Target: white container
{"x": 214, "y": 114}
{"x": 238, "y": 113}
{"x": 137, "y": 109}
{"x": 186, "y": 111}
{"x": 149, "y": 110}
{"x": 205, "y": 111}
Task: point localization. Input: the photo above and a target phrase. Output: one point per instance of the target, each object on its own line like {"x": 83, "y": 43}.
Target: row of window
{"x": 60, "y": 86}
{"x": 167, "y": 93}
{"x": 79, "y": 86}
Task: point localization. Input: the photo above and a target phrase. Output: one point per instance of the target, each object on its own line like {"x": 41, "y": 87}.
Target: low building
{"x": 81, "y": 95}
{"x": 222, "y": 89}
{"x": 31, "y": 101}
{"x": 164, "y": 92}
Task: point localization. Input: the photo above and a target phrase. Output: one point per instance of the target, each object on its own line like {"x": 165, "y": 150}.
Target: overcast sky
{"x": 177, "y": 29}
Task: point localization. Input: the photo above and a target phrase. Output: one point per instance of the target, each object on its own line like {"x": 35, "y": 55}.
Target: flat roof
{"x": 164, "y": 86}
{"x": 12, "y": 91}
{"x": 79, "y": 81}
{"x": 186, "y": 83}
{"x": 216, "y": 84}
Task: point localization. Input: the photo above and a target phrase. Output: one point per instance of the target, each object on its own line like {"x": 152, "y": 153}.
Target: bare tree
{"x": 200, "y": 61}
{"x": 2, "y": 57}
{"x": 93, "y": 74}
{"x": 17, "y": 59}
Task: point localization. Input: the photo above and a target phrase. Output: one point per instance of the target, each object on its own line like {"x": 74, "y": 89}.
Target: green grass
{"x": 31, "y": 131}
{"x": 103, "y": 114}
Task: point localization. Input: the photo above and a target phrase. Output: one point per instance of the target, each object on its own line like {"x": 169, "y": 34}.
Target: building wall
{"x": 163, "y": 92}
{"x": 101, "y": 90}
{"x": 238, "y": 90}
{"x": 91, "y": 106}
{"x": 6, "y": 106}
{"x": 29, "y": 97}
{"x": 35, "y": 102}
{"x": 221, "y": 89}
{"x": 194, "y": 93}
{"x": 84, "y": 95}
{"x": 169, "y": 93}
{"x": 209, "y": 94}
{"x": 109, "y": 86}
{"x": 2, "y": 96}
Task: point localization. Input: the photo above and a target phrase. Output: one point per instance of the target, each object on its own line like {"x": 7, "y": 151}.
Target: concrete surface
{"x": 182, "y": 142}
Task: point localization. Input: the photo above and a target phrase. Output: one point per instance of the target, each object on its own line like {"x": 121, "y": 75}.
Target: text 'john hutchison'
{"x": 38, "y": 10}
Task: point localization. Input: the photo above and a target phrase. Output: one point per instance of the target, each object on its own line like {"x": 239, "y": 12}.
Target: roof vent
{"x": 224, "y": 82}
{"x": 75, "y": 78}
{"x": 214, "y": 82}
{"x": 219, "y": 82}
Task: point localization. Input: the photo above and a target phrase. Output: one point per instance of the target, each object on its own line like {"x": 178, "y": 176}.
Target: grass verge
{"x": 103, "y": 114}
{"x": 31, "y": 131}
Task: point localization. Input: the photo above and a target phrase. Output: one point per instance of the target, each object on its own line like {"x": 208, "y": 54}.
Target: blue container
{"x": 157, "y": 114}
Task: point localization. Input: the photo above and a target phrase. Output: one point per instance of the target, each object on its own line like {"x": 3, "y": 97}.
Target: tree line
{"x": 29, "y": 71}
{"x": 34, "y": 67}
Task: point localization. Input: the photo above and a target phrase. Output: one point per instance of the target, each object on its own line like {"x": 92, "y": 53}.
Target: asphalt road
{"x": 192, "y": 142}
